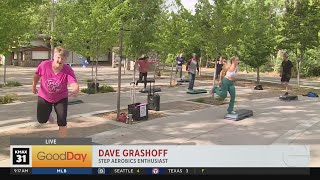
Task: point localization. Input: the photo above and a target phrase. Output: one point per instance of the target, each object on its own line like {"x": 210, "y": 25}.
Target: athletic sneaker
{"x": 286, "y": 94}
{"x": 232, "y": 112}
{"x": 189, "y": 90}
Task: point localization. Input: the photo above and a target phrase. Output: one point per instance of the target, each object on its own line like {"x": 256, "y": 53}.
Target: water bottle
{"x": 130, "y": 118}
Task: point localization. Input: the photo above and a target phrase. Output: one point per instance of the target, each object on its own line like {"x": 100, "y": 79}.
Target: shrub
{"x": 9, "y": 98}
{"x": 88, "y": 91}
{"x": 102, "y": 89}
{"x": 106, "y": 89}
{"x": 13, "y": 84}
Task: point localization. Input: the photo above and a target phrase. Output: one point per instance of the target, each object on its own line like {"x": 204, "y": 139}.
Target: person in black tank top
{"x": 286, "y": 72}
{"x": 220, "y": 64}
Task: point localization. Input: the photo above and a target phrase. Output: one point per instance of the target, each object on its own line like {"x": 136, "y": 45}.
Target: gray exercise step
{"x": 288, "y": 97}
{"x": 239, "y": 115}
{"x": 148, "y": 89}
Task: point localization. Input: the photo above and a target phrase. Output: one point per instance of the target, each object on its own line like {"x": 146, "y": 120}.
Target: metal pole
{"x": 119, "y": 72}
{"x": 52, "y": 22}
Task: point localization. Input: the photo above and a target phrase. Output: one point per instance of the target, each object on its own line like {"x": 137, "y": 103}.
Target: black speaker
{"x": 154, "y": 102}
{"x": 258, "y": 87}
{"x": 136, "y": 110}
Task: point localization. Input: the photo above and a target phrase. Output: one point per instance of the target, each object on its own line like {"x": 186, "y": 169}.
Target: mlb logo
{"x": 101, "y": 171}
{"x": 155, "y": 171}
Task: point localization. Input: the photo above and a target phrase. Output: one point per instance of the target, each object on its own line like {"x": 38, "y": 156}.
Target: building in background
{"x": 39, "y": 50}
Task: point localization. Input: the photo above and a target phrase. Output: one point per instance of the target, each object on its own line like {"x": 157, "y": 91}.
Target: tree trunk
{"x": 215, "y": 68}
{"x": 155, "y": 71}
{"x": 5, "y": 62}
{"x": 133, "y": 95}
{"x": 299, "y": 67}
{"x": 96, "y": 77}
{"x": 200, "y": 66}
{"x": 298, "y": 73}
{"x": 72, "y": 57}
{"x": 207, "y": 62}
{"x": 258, "y": 75}
{"x": 92, "y": 64}
{"x": 124, "y": 66}
{"x": 214, "y": 75}
{"x": 171, "y": 74}
{"x": 164, "y": 65}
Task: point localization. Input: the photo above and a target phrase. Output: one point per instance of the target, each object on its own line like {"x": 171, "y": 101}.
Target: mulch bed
{"x": 112, "y": 115}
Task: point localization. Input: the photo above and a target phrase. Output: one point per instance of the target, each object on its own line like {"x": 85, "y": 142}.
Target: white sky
{"x": 188, "y": 4}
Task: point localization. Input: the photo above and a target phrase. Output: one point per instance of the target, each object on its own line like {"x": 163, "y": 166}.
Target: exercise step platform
{"x": 288, "y": 97}
{"x": 196, "y": 91}
{"x": 148, "y": 81}
{"x": 152, "y": 90}
{"x": 76, "y": 101}
{"x": 182, "y": 80}
{"x": 239, "y": 115}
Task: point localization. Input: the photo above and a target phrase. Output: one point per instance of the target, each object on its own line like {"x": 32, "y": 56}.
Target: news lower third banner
{"x": 80, "y": 156}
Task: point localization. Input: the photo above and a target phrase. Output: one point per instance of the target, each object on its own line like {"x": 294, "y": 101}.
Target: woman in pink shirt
{"x": 55, "y": 77}
{"x": 143, "y": 64}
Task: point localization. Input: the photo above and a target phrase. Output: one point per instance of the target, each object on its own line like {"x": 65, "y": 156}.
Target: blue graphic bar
{"x": 61, "y": 170}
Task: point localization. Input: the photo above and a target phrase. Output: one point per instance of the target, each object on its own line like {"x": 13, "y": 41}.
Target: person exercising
{"x": 192, "y": 68}
{"x": 286, "y": 72}
{"x": 179, "y": 62}
{"x": 227, "y": 82}
{"x": 53, "y": 92}
{"x": 143, "y": 64}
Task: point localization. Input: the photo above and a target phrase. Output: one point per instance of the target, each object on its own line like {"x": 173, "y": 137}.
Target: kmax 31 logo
{"x": 62, "y": 156}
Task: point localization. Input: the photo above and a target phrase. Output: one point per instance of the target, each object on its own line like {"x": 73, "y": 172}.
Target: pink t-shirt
{"x": 54, "y": 87}
{"x": 144, "y": 65}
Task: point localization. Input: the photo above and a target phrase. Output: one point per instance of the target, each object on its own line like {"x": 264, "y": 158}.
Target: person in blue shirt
{"x": 179, "y": 63}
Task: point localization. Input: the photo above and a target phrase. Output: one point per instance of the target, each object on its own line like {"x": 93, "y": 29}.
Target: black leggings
{"x": 144, "y": 76}
{"x": 44, "y": 110}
